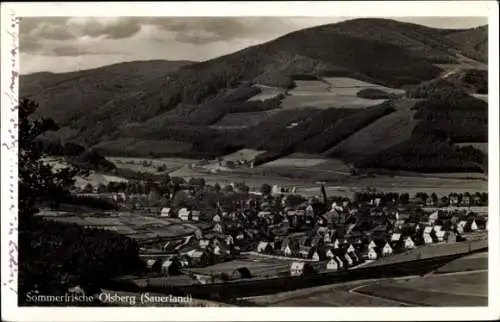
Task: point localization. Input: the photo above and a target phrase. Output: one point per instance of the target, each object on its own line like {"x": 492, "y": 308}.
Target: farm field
{"x": 296, "y": 161}
{"x": 385, "y": 132}
{"x": 481, "y": 146}
{"x": 449, "y": 289}
{"x": 139, "y": 227}
{"x": 435, "y": 290}
{"x": 352, "y": 83}
{"x": 477, "y": 261}
{"x": 96, "y": 179}
{"x": 138, "y": 164}
{"x": 331, "y": 92}
{"x": 258, "y": 267}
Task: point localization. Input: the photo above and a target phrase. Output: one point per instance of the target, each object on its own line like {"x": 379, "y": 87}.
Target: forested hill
{"x": 166, "y": 107}
{"x": 65, "y": 97}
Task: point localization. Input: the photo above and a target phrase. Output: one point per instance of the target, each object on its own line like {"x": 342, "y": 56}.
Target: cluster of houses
{"x": 344, "y": 236}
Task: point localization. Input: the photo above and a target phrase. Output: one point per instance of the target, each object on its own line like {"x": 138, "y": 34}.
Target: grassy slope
{"x": 385, "y": 132}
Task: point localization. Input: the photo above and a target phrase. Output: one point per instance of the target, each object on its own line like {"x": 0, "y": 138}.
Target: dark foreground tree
{"x": 38, "y": 182}
{"x": 55, "y": 256}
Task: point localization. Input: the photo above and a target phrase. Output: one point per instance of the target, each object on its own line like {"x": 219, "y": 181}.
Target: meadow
{"x": 140, "y": 227}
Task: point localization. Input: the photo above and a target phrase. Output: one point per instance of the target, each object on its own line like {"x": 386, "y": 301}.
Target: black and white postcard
{"x": 250, "y": 161}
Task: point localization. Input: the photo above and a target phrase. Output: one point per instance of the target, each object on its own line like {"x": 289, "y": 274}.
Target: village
{"x": 242, "y": 234}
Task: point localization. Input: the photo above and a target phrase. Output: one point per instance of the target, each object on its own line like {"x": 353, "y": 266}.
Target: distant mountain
{"x": 160, "y": 108}
{"x": 67, "y": 96}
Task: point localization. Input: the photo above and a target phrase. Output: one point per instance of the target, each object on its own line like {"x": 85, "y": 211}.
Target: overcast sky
{"x": 58, "y": 44}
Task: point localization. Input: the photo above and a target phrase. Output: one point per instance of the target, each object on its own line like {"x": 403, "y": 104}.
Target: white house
{"x": 297, "y": 268}
{"x": 440, "y": 235}
{"x": 204, "y": 243}
{"x": 427, "y": 239}
{"x": 473, "y": 226}
{"x": 332, "y": 265}
{"x": 372, "y": 254}
{"x": 387, "y": 250}
{"x": 351, "y": 249}
{"x": 409, "y": 244}
{"x": 216, "y": 218}
{"x": 183, "y": 214}
{"x": 195, "y": 215}
{"x": 229, "y": 240}
{"x": 427, "y": 230}
{"x": 327, "y": 238}
{"x": 165, "y": 212}
{"x": 372, "y": 244}
{"x": 461, "y": 226}
{"x": 433, "y": 217}
{"x": 287, "y": 251}
{"x": 315, "y": 257}
{"x": 309, "y": 210}
{"x": 217, "y": 251}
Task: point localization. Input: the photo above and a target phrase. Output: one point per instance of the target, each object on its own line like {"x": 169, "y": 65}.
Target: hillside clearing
{"x": 385, "y": 132}
{"x": 243, "y": 120}
{"x": 267, "y": 92}
{"x": 243, "y": 154}
{"x": 133, "y": 146}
